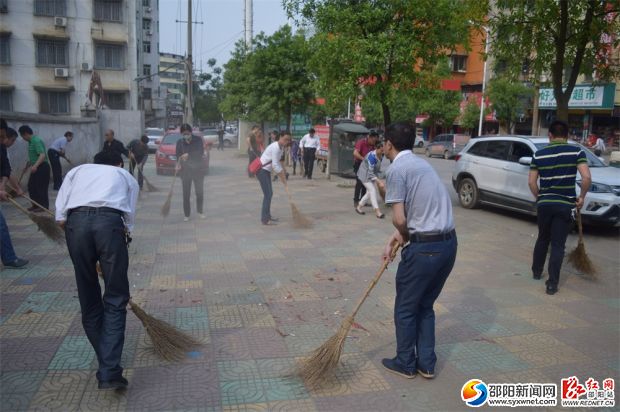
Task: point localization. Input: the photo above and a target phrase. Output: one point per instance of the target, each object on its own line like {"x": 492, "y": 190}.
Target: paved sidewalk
{"x": 261, "y": 297}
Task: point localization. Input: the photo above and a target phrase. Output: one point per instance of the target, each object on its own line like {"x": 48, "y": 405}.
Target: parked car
{"x": 210, "y": 134}
{"x": 446, "y": 145}
{"x": 166, "y": 159}
{"x": 419, "y": 141}
{"x": 155, "y": 135}
{"x": 494, "y": 171}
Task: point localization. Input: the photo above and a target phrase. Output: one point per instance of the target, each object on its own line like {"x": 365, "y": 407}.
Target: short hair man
{"x": 271, "y": 161}
{"x": 110, "y": 144}
{"x": 39, "y": 179}
{"x": 362, "y": 148}
{"x": 556, "y": 165}
{"x": 55, "y": 152}
{"x": 422, "y": 215}
{"x": 138, "y": 154}
{"x": 309, "y": 145}
{"x": 99, "y": 234}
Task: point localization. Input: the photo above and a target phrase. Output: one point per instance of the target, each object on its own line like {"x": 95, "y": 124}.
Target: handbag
{"x": 256, "y": 165}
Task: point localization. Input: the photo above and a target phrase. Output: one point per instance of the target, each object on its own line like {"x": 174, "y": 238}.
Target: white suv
{"x": 493, "y": 170}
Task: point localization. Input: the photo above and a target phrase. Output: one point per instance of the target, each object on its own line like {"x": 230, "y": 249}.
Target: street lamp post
{"x": 484, "y": 78}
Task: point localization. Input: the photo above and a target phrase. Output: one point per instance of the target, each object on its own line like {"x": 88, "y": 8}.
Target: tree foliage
{"x": 271, "y": 81}
{"x": 509, "y": 100}
{"x": 470, "y": 117}
{"x": 378, "y": 48}
{"x": 208, "y": 94}
{"x": 561, "y": 39}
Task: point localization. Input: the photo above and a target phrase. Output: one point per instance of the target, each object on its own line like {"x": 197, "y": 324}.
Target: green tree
{"x": 379, "y": 48}
{"x": 208, "y": 94}
{"x": 509, "y": 99}
{"x": 270, "y": 82}
{"x": 470, "y": 118}
{"x": 561, "y": 39}
{"x": 441, "y": 106}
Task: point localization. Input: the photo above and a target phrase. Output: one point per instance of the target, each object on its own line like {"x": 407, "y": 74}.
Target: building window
{"x": 146, "y": 3}
{"x": 5, "y": 50}
{"x": 146, "y": 69}
{"x": 54, "y": 102}
{"x": 52, "y": 52}
{"x": 458, "y": 63}
{"x": 146, "y": 46}
{"x": 109, "y": 10}
{"x": 115, "y": 100}
{"x": 146, "y": 24}
{"x": 4, "y": 6}
{"x": 54, "y": 8}
{"x": 109, "y": 56}
{"x": 6, "y": 100}
{"x": 146, "y": 93}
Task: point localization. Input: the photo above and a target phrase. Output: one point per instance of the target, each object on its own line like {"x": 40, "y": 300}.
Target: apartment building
{"x": 172, "y": 80}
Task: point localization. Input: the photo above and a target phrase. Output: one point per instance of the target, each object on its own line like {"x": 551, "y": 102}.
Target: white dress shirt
{"x": 310, "y": 142}
{"x": 59, "y": 144}
{"x": 272, "y": 153}
{"x": 98, "y": 186}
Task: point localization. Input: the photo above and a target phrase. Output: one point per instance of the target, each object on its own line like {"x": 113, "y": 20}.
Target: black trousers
{"x": 309, "y": 156}
{"x": 554, "y": 223}
{"x": 360, "y": 189}
{"x": 38, "y": 184}
{"x": 132, "y": 166}
{"x": 54, "y": 158}
{"x": 198, "y": 179}
{"x": 100, "y": 236}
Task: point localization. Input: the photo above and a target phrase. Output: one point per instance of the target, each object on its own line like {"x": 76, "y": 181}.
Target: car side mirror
{"x": 525, "y": 160}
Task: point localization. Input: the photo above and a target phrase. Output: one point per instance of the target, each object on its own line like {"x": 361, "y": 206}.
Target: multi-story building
{"x": 152, "y": 98}
{"x": 50, "y": 48}
{"x": 172, "y": 74}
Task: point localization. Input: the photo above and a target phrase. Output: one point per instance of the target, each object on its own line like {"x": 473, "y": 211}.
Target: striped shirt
{"x": 557, "y": 171}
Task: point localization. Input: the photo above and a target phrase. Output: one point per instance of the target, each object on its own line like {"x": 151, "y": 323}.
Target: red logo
{"x": 572, "y": 389}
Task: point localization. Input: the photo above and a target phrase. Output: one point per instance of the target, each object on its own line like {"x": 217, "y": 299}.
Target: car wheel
{"x": 421, "y": 144}
{"x": 428, "y": 153}
{"x": 446, "y": 155}
{"x": 468, "y": 193}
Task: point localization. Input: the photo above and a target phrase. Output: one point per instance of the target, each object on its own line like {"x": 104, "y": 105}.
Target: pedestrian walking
{"x": 295, "y": 154}
{"x": 309, "y": 145}
{"x": 39, "y": 168}
{"x": 368, "y": 174}
{"x": 599, "y": 147}
{"x": 54, "y": 153}
{"x": 110, "y": 144}
{"x": 552, "y": 176}
{"x": 220, "y": 139}
{"x": 138, "y": 154}
{"x": 100, "y": 234}
{"x": 362, "y": 148}
{"x": 270, "y": 160}
{"x": 7, "y": 252}
{"x": 256, "y": 145}
{"x": 190, "y": 165}
{"x": 422, "y": 215}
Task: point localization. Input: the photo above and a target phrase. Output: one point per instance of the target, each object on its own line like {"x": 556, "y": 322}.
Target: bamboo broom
{"x": 299, "y": 220}
{"x": 31, "y": 201}
{"x": 46, "y": 224}
{"x": 149, "y": 186}
{"x": 325, "y": 358}
{"x": 579, "y": 257}
{"x": 165, "y": 209}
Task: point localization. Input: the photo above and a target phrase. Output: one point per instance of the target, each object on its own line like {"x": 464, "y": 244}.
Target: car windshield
{"x": 154, "y": 132}
{"x": 593, "y": 161}
{"x": 171, "y": 138}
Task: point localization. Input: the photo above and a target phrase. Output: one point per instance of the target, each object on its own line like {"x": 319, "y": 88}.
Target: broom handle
{"x": 375, "y": 280}
{"x": 34, "y": 203}
{"x": 579, "y": 226}
{"x": 23, "y": 173}
{"x": 17, "y": 205}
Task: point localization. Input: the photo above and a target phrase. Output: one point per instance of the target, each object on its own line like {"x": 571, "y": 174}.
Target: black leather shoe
{"x": 537, "y": 276}
{"x": 17, "y": 263}
{"x": 390, "y": 364}
{"x": 552, "y": 290}
{"x": 120, "y": 383}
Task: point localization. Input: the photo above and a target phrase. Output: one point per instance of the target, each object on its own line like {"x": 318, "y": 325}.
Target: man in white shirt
{"x": 96, "y": 205}
{"x": 309, "y": 145}
{"x": 270, "y": 160}
{"x": 54, "y": 153}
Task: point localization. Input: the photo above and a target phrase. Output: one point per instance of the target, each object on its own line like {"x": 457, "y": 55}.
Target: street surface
{"x": 261, "y": 297}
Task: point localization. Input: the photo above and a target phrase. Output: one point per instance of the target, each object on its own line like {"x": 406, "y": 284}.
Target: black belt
{"x": 96, "y": 210}
{"x": 424, "y": 237}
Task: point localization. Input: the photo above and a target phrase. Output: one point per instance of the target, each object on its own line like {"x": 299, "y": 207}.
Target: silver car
{"x": 155, "y": 135}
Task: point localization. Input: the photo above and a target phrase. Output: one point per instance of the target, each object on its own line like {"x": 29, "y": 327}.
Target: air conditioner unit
{"x": 148, "y": 10}
{"x": 60, "y": 21}
{"x": 61, "y": 72}
{"x": 149, "y": 33}
{"x": 86, "y": 67}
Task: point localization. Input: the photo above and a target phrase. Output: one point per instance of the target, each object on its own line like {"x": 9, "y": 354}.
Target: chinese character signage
{"x": 586, "y": 96}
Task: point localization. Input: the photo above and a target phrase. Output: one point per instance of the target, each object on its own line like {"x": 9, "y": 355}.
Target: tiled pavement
{"x": 261, "y": 297}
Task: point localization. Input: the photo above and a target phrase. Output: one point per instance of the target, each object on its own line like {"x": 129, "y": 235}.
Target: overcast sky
{"x": 223, "y": 26}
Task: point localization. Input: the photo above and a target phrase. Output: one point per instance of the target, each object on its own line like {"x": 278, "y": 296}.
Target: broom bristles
{"x": 165, "y": 209}
{"x": 581, "y": 261}
{"x": 149, "y": 186}
{"x": 168, "y": 342}
{"x": 49, "y": 227}
{"x": 299, "y": 220}
{"x": 325, "y": 358}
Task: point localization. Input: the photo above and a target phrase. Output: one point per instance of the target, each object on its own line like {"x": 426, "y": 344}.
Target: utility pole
{"x": 189, "y": 76}
{"x": 249, "y": 23}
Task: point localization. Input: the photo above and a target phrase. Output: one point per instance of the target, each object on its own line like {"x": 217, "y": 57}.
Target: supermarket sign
{"x": 583, "y": 97}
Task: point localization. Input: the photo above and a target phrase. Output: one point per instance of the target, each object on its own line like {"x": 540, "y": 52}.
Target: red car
{"x": 165, "y": 157}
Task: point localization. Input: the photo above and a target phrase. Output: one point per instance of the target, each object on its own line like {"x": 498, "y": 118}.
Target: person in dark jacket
{"x": 190, "y": 165}
{"x": 138, "y": 154}
{"x": 110, "y": 144}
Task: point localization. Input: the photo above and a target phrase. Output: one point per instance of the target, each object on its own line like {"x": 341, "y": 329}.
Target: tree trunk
{"x": 561, "y": 112}
{"x": 387, "y": 119}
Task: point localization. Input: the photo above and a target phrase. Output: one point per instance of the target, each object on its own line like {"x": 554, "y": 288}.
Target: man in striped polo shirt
{"x": 556, "y": 167}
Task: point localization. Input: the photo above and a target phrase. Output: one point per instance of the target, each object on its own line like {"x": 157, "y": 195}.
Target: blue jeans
{"x": 554, "y": 223}
{"x": 6, "y": 246}
{"x": 421, "y": 274}
{"x": 264, "y": 178}
{"x": 100, "y": 236}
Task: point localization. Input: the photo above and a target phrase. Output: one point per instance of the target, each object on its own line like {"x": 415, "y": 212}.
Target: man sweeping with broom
{"x": 96, "y": 205}
{"x": 422, "y": 215}
{"x": 556, "y": 166}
